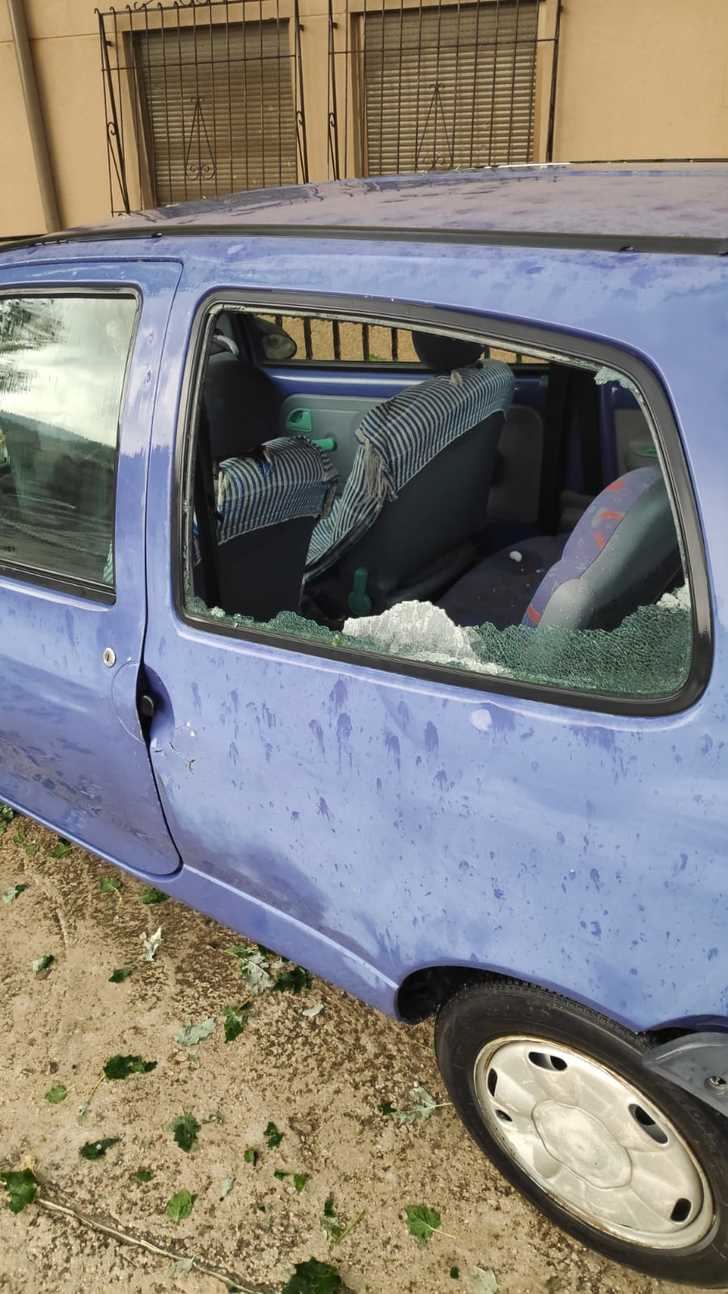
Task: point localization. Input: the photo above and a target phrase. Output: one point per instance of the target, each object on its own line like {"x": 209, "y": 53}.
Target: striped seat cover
{"x": 397, "y": 439}
{"x": 287, "y": 478}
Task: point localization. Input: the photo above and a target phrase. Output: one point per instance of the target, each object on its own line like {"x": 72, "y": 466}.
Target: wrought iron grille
{"x": 420, "y": 85}
{"x": 202, "y": 98}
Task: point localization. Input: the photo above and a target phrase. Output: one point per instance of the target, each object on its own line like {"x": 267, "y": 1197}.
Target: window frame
{"x": 505, "y": 335}
{"x": 23, "y": 572}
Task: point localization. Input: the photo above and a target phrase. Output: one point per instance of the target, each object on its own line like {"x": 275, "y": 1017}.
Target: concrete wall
{"x": 637, "y": 78}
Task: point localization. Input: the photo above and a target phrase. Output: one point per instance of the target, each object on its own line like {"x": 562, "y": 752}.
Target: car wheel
{"x": 558, "y": 1098}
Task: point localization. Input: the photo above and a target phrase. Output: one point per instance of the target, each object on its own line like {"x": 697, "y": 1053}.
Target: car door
{"x": 79, "y": 355}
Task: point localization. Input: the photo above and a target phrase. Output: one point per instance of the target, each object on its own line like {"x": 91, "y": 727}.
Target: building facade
{"x": 158, "y": 103}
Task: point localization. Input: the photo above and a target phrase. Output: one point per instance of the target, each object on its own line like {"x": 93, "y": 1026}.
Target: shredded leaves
{"x": 151, "y": 895}
{"x": 143, "y": 1175}
{"x": 294, "y": 980}
{"x": 313, "y": 1277}
{"x": 109, "y": 884}
{"x": 422, "y": 1106}
{"x": 120, "y": 974}
{"x": 455, "y": 1273}
{"x": 251, "y": 1156}
{"x": 272, "y": 1136}
{"x": 185, "y": 1129}
{"x": 280, "y": 1175}
{"x": 310, "y": 1012}
{"x": 21, "y": 1187}
{"x": 12, "y": 893}
{"x": 331, "y": 1222}
{"x": 483, "y": 1281}
{"x": 56, "y": 1094}
{"x": 194, "y": 1033}
{"x": 299, "y": 1180}
{"x": 227, "y": 1186}
{"x": 180, "y": 1205}
{"x": 62, "y": 848}
{"x": 422, "y": 1222}
{"x": 118, "y": 1067}
{"x": 254, "y": 967}
{"x": 236, "y": 1019}
{"x": 151, "y": 944}
{"x": 42, "y": 965}
{"x": 97, "y": 1149}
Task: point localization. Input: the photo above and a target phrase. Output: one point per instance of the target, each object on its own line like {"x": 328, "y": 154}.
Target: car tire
{"x": 560, "y": 1101}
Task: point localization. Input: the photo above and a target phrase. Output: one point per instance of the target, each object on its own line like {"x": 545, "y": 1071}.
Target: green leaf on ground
{"x": 251, "y": 1156}
{"x": 278, "y": 1172}
{"x": 21, "y": 1187}
{"x": 226, "y": 1187}
{"x": 11, "y": 894}
{"x": 483, "y": 1281}
{"x": 151, "y": 944}
{"x": 183, "y": 1266}
{"x": 300, "y": 1179}
{"x": 236, "y": 1019}
{"x": 331, "y": 1222}
{"x": 118, "y": 976}
{"x": 272, "y": 1136}
{"x": 254, "y": 967}
{"x": 109, "y": 884}
{"x": 56, "y": 1094}
{"x": 422, "y": 1106}
{"x": 152, "y": 895}
{"x": 179, "y": 1206}
{"x": 313, "y": 1277}
{"x": 122, "y": 1066}
{"x": 62, "y": 848}
{"x": 386, "y": 1108}
{"x": 6, "y": 813}
{"x": 310, "y": 1012}
{"x": 422, "y": 1221}
{"x": 194, "y": 1033}
{"x": 97, "y": 1149}
{"x": 143, "y": 1175}
{"x": 185, "y": 1129}
{"x": 294, "y": 980}
{"x": 455, "y": 1273}
{"x": 42, "y": 965}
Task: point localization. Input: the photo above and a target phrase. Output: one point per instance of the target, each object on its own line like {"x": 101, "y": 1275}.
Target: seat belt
{"x": 206, "y": 515}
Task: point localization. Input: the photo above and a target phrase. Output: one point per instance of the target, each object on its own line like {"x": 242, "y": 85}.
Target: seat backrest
{"x": 269, "y": 493}
{"x": 418, "y": 488}
{"x": 622, "y": 554}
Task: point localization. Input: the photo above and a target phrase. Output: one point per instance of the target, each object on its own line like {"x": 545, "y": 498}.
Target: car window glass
{"x": 62, "y": 365}
{"x": 497, "y": 516}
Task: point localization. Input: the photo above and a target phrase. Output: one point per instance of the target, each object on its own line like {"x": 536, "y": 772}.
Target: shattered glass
{"x": 647, "y": 655}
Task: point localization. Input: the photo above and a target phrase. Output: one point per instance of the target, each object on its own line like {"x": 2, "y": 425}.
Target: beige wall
{"x": 637, "y": 78}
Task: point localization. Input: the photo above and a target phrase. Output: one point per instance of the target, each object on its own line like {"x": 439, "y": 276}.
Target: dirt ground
{"x": 320, "y": 1080}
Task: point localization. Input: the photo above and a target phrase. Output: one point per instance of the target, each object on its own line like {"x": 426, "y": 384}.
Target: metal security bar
{"x": 418, "y": 85}
{"x": 202, "y": 98}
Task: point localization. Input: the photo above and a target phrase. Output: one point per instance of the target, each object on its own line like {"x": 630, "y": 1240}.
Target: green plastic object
{"x": 358, "y": 601}
{"x": 327, "y": 443}
{"x": 300, "y": 421}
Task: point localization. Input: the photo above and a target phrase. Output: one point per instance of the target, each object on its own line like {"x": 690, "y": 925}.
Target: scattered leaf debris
{"x": 251, "y": 1156}
{"x": 180, "y": 1205}
{"x": 56, "y": 1094}
{"x": 62, "y": 848}
{"x": 226, "y": 1187}
{"x": 120, "y": 974}
{"x": 294, "y": 980}
{"x": 118, "y": 1067}
{"x": 300, "y": 1179}
{"x": 109, "y": 885}
{"x": 12, "y": 893}
{"x": 42, "y": 965}
{"x": 236, "y": 1019}
{"x": 143, "y": 1175}
{"x": 422, "y": 1221}
{"x": 191, "y": 1034}
{"x": 21, "y": 1187}
{"x": 254, "y": 967}
{"x": 310, "y": 1012}
{"x": 151, "y": 944}
{"x": 150, "y": 894}
{"x": 97, "y": 1149}
{"x": 483, "y": 1281}
{"x": 185, "y": 1129}
{"x": 272, "y": 1136}
{"x": 313, "y": 1277}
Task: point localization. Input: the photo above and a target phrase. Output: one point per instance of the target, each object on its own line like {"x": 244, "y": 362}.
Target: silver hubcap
{"x": 593, "y": 1142}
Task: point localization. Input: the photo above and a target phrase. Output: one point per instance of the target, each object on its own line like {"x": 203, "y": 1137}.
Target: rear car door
{"x": 79, "y": 355}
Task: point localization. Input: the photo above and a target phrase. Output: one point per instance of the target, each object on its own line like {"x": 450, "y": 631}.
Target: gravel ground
{"x": 321, "y": 1080}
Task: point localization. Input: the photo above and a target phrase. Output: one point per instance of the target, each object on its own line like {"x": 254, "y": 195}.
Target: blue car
{"x": 361, "y": 584}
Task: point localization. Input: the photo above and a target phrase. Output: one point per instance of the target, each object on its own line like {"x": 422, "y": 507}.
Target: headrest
{"x": 443, "y": 354}
{"x": 241, "y": 407}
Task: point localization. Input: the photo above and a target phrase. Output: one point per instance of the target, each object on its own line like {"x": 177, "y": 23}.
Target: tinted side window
{"x": 62, "y": 365}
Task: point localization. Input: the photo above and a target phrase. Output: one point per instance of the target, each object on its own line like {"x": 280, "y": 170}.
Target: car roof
{"x": 616, "y": 205}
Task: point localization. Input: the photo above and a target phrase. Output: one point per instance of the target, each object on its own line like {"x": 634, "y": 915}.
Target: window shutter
{"x": 448, "y": 85}
{"x": 217, "y": 108}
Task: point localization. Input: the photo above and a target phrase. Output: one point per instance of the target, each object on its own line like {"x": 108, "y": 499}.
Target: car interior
{"x": 507, "y": 491}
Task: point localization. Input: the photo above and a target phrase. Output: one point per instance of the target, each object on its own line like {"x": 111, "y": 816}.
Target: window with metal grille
{"x": 448, "y": 85}
{"x": 217, "y": 104}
